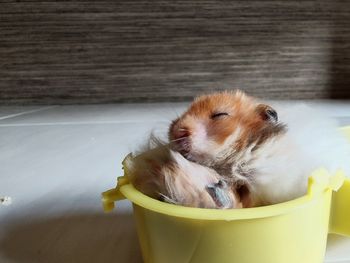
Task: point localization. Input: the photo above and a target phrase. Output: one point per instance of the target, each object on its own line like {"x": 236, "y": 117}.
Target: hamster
{"x": 166, "y": 175}
{"x": 266, "y": 153}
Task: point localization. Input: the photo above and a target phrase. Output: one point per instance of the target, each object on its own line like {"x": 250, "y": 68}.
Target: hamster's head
{"x": 222, "y": 122}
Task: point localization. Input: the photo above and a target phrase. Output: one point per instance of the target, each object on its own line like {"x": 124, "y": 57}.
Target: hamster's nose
{"x": 181, "y": 140}
{"x": 181, "y": 133}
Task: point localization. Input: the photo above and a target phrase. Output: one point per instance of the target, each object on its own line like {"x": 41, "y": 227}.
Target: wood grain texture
{"x": 111, "y": 51}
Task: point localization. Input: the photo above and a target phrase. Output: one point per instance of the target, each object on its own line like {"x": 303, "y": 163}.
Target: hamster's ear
{"x": 267, "y": 113}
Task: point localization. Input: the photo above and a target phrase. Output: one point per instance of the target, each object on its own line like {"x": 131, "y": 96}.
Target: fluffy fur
{"x": 267, "y": 154}
{"x": 166, "y": 175}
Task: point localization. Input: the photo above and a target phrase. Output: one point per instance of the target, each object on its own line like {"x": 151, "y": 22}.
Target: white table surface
{"x": 54, "y": 163}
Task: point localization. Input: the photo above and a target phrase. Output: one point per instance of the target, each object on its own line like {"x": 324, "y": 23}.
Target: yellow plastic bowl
{"x": 289, "y": 232}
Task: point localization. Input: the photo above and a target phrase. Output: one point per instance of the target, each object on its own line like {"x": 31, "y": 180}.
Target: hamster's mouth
{"x": 184, "y": 147}
{"x": 181, "y": 145}
{"x": 187, "y": 149}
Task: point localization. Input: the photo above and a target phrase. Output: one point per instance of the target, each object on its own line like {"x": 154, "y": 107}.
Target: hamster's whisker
{"x": 178, "y": 139}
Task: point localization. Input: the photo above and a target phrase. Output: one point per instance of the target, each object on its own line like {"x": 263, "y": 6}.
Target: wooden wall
{"x": 160, "y": 50}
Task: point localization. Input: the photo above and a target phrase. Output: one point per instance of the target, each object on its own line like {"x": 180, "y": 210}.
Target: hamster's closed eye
{"x": 218, "y": 115}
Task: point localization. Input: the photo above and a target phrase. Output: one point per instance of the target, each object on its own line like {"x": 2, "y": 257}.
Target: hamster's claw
{"x": 220, "y": 193}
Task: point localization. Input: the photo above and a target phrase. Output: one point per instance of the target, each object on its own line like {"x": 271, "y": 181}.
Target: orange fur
{"x": 244, "y": 112}
{"x": 218, "y": 129}
{"x": 166, "y": 175}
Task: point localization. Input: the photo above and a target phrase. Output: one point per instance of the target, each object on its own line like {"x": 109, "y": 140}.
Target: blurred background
{"x": 84, "y": 83}
{"x": 68, "y": 52}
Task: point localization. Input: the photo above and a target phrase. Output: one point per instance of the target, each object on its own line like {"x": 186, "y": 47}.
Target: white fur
{"x": 284, "y": 164}
{"x": 199, "y": 175}
{"x": 277, "y": 171}
{"x": 205, "y": 149}
{"x": 199, "y": 138}
{"x": 161, "y": 172}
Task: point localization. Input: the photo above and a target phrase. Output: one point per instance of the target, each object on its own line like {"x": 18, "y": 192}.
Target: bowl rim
{"x": 144, "y": 201}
